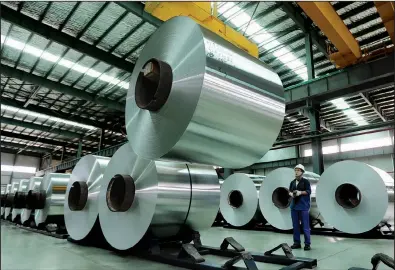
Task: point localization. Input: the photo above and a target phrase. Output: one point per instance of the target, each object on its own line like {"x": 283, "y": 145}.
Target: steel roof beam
{"x": 24, "y": 153}
{"x": 351, "y": 81}
{"x": 43, "y": 140}
{"x": 51, "y": 33}
{"x": 58, "y": 131}
{"x": 373, "y": 105}
{"x": 49, "y": 112}
{"x": 59, "y": 87}
{"x": 28, "y": 148}
{"x": 319, "y": 59}
{"x": 305, "y": 25}
{"x": 137, "y": 9}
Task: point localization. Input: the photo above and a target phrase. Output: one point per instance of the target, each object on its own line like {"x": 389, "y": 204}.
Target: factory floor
{"x": 21, "y": 249}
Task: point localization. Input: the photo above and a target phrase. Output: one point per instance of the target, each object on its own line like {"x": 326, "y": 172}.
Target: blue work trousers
{"x": 297, "y": 218}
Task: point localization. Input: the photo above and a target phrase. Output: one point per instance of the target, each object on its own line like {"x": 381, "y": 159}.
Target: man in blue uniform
{"x": 300, "y": 191}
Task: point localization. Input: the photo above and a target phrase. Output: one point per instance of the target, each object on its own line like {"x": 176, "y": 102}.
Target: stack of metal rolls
{"x": 183, "y": 102}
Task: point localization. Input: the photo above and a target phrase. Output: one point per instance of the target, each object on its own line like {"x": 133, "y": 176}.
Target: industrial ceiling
{"x": 66, "y": 66}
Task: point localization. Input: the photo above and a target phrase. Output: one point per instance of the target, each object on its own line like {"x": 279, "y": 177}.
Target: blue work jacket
{"x": 302, "y": 202}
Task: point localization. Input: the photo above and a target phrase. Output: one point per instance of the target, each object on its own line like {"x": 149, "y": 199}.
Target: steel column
{"x": 309, "y": 56}
{"x": 13, "y": 164}
{"x": 305, "y": 25}
{"x": 79, "y": 152}
{"x": 63, "y": 152}
{"x": 101, "y": 140}
{"x": 316, "y": 143}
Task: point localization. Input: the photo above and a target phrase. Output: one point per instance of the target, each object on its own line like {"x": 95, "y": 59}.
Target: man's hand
{"x": 290, "y": 194}
{"x": 297, "y": 193}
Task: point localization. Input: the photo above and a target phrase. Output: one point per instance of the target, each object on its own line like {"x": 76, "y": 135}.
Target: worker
{"x": 299, "y": 191}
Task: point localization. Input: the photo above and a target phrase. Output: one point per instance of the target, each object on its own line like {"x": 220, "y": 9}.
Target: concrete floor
{"x": 21, "y": 249}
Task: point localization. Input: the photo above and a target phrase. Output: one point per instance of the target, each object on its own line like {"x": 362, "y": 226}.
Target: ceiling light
{"x": 340, "y": 103}
{"x": 45, "y": 117}
{"x": 10, "y": 42}
{"x": 284, "y": 55}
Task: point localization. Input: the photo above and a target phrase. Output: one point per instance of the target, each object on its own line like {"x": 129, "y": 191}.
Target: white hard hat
{"x": 299, "y": 166}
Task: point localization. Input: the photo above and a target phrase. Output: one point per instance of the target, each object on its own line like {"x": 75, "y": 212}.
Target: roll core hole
{"x": 20, "y": 200}
{"x": 281, "y": 198}
{"x": 35, "y": 199}
{"x": 78, "y": 196}
{"x": 9, "y": 202}
{"x": 235, "y": 199}
{"x": 348, "y": 196}
{"x": 121, "y": 192}
{"x": 153, "y": 85}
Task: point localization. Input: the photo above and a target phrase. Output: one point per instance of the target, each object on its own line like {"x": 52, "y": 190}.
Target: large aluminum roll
{"x": 274, "y": 200}
{"x": 20, "y": 199}
{"x": 34, "y": 186}
{"x": 201, "y": 99}
{"x": 51, "y": 197}
{"x": 138, "y": 194}
{"x": 81, "y": 205}
{"x": 355, "y": 197}
{"x": 239, "y": 199}
{"x": 10, "y": 200}
{"x": 4, "y": 198}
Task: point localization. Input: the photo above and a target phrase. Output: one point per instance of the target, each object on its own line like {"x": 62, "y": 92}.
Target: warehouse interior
{"x": 320, "y": 80}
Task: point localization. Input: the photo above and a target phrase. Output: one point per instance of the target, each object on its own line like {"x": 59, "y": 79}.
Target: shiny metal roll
{"x": 51, "y": 204}
{"x": 239, "y": 200}
{"x": 81, "y": 204}
{"x": 139, "y": 196}
{"x": 20, "y": 199}
{"x": 205, "y": 196}
{"x": 199, "y": 98}
{"x": 34, "y": 185}
{"x": 10, "y": 200}
{"x": 355, "y": 197}
{"x": 274, "y": 200}
{"x": 4, "y": 198}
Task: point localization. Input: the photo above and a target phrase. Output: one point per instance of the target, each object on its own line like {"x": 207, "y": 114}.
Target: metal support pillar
{"x": 227, "y": 172}
{"x": 309, "y": 56}
{"x": 101, "y": 140}
{"x": 50, "y": 161}
{"x": 79, "y": 152}
{"x": 316, "y": 143}
{"x": 63, "y": 152}
{"x": 13, "y": 164}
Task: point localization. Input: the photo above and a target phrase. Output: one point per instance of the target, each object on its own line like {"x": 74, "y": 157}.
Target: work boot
{"x": 307, "y": 247}
{"x": 296, "y": 246}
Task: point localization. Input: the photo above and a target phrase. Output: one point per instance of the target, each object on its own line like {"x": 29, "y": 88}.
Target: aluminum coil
{"x": 20, "y": 199}
{"x": 3, "y": 198}
{"x": 81, "y": 205}
{"x": 274, "y": 200}
{"x": 239, "y": 199}
{"x": 154, "y": 197}
{"x": 355, "y": 197}
{"x": 194, "y": 87}
{"x": 10, "y": 199}
{"x": 51, "y": 204}
{"x": 34, "y": 185}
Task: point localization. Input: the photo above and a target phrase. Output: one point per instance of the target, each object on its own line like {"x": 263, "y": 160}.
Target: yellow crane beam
{"x": 326, "y": 18}
{"x": 386, "y": 11}
{"x": 203, "y": 14}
